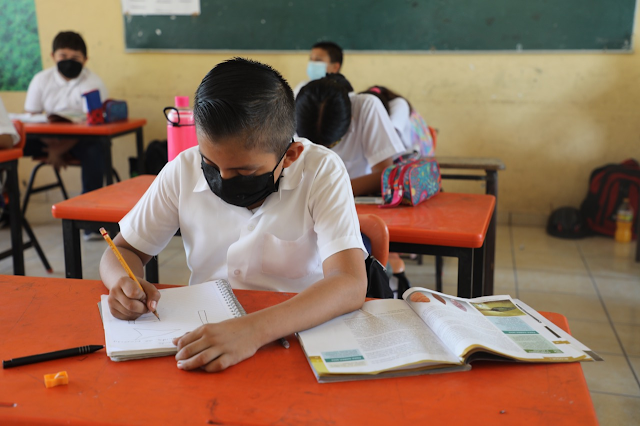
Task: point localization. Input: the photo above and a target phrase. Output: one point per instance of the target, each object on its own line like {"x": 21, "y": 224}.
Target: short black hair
{"x": 69, "y": 40}
{"x": 241, "y": 97}
{"x": 323, "y": 111}
{"x": 341, "y": 80}
{"x": 334, "y": 51}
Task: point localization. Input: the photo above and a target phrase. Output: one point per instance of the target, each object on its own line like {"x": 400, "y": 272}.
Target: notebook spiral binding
{"x": 230, "y": 299}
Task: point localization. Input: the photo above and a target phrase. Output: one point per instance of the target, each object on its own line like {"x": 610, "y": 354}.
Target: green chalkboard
{"x": 19, "y": 44}
{"x": 391, "y": 25}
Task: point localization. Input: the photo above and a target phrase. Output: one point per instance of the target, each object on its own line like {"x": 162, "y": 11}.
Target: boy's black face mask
{"x": 242, "y": 191}
{"x": 69, "y": 68}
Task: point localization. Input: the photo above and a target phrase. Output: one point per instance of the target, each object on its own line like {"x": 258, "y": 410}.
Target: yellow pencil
{"x": 123, "y": 262}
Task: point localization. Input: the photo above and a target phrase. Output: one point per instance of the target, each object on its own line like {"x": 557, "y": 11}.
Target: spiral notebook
{"x": 181, "y": 309}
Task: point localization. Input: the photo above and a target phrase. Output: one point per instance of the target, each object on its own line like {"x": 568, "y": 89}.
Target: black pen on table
{"x": 284, "y": 342}
{"x": 49, "y": 356}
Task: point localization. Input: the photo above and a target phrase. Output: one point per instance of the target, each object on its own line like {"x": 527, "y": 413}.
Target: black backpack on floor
{"x": 567, "y": 222}
{"x": 608, "y": 187}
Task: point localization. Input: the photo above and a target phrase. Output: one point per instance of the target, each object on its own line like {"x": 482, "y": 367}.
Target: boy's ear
{"x": 293, "y": 153}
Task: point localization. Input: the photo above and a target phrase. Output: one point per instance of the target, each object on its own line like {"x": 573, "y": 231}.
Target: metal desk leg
{"x": 638, "y": 234}
{"x": 140, "y": 151}
{"x": 490, "y": 239}
{"x": 439, "y": 266}
{"x": 465, "y": 269}
{"x": 108, "y": 162}
{"x": 151, "y": 270}
{"x": 478, "y": 271}
{"x": 15, "y": 218}
{"x": 72, "y": 252}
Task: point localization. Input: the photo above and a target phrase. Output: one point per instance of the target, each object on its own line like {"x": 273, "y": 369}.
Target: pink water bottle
{"x": 181, "y": 129}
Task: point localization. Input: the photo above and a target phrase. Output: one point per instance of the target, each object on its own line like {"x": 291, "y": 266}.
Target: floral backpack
{"x": 422, "y": 136}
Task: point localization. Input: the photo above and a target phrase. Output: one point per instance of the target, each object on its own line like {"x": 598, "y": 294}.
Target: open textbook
{"x": 182, "y": 309}
{"x": 430, "y": 332}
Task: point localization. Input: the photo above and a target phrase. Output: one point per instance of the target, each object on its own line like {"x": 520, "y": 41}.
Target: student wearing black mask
{"x": 255, "y": 206}
{"x": 59, "y": 89}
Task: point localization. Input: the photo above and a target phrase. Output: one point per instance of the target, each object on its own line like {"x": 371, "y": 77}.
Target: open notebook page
{"x": 181, "y": 310}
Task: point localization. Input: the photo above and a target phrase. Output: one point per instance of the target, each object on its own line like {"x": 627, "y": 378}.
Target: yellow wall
{"x": 550, "y": 117}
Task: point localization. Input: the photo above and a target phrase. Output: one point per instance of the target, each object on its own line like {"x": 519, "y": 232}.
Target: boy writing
{"x": 254, "y": 206}
{"x": 59, "y": 89}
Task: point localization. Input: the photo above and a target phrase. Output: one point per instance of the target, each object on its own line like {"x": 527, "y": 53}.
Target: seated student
{"x": 8, "y": 135}
{"x": 325, "y": 58}
{"x": 354, "y": 126}
{"x": 255, "y": 207}
{"x": 8, "y": 138}
{"x": 409, "y": 124}
{"x": 59, "y": 89}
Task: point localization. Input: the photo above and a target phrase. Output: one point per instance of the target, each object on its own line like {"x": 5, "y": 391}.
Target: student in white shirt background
{"x": 411, "y": 127}
{"x": 8, "y": 138}
{"x": 326, "y": 57}
{"x": 254, "y": 206}
{"x": 354, "y": 126}
{"x": 59, "y": 89}
{"x": 8, "y": 135}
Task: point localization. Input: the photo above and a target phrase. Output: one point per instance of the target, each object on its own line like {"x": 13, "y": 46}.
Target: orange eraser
{"x": 56, "y": 379}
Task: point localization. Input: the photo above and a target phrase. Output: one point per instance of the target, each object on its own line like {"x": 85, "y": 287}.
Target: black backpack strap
{"x": 377, "y": 280}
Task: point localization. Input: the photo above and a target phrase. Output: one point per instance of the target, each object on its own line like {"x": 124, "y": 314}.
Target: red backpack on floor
{"x": 608, "y": 186}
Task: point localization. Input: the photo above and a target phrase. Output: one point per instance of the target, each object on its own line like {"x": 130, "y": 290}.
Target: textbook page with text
{"x": 428, "y": 332}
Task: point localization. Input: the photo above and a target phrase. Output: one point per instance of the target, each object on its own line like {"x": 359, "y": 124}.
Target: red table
{"x": 448, "y": 224}
{"x": 490, "y": 167}
{"x": 104, "y": 133}
{"x": 102, "y": 207}
{"x": 275, "y": 386}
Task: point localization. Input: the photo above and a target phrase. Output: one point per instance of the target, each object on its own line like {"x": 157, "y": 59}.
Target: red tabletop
{"x": 275, "y": 386}
{"x": 107, "y": 204}
{"x": 84, "y": 129}
{"x": 448, "y": 219}
{"x": 10, "y": 154}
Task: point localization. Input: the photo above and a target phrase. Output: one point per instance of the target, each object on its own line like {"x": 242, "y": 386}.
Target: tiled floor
{"x": 594, "y": 282}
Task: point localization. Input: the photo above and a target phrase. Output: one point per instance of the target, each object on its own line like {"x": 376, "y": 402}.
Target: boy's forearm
{"x": 367, "y": 184}
{"x": 111, "y": 270}
{"x": 6, "y": 141}
{"x": 325, "y": 300}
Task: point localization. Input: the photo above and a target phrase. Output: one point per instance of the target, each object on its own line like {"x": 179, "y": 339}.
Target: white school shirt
{"x": 279, "y": 247}
{"x": 371, "y": 137}
{"x": 6, "y": 126}
{"x": 299, "y": 87}
{"x": 399, "y": 113}
{"x": 50, "y": 92}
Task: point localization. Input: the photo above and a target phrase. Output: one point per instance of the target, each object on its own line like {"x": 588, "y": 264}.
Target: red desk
{"x": 104, "y": 133}
{"x": 275, "y": 386}
{"x": 447, "y": 225}
{"x": 490, "y": 167}
{"x": 102, "y": 207}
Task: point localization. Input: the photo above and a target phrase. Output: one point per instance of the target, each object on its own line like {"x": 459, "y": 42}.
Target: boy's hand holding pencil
{"x": 129, "y": 300}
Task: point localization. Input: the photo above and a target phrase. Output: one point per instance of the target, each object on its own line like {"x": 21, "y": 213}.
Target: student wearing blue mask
{"x": 255, "y": 206}
{"x": 326, "y": 57}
